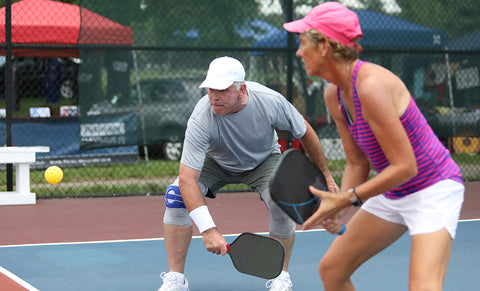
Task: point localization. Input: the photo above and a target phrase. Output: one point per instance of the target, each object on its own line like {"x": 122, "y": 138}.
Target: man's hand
{"x": 331, "y": 184}
{"x": 214, "y": 241}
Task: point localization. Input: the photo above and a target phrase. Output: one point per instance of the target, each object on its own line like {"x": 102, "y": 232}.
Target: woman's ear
{"x": 324, "y": 47}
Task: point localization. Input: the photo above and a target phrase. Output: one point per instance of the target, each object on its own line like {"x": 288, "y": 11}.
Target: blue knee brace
{"x": 173, "y": 197}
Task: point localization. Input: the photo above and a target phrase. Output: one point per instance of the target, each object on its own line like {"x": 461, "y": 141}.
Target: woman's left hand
{"x": 333, "y": 225}
{"x": 326, "y": 214}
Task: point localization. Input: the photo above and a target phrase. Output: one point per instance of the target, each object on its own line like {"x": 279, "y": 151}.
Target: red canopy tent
{"x": 47, "y": 22}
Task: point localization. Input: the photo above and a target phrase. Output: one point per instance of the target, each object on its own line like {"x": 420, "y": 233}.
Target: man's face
{"x": 224, "y": 101}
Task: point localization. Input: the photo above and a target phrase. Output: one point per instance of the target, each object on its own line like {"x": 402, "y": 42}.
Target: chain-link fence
{"x": 109, "y": 85}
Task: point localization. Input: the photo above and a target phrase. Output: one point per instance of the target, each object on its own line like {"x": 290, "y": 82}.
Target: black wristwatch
{"x": 354, "y": 198}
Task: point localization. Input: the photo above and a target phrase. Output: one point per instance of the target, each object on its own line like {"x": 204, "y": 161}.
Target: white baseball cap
{"x": 222, "y": 73}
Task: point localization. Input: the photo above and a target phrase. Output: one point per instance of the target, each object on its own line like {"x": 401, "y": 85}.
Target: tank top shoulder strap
{"x": 359, "y": 64}
{"x": 344, "y": 109}
{"x": 356, "y": 101}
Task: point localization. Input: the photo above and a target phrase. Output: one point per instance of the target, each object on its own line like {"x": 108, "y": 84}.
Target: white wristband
{"x": 202, "y": 218}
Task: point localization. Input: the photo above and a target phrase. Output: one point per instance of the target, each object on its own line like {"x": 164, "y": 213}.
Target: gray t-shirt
{"x": 240, "y": 141}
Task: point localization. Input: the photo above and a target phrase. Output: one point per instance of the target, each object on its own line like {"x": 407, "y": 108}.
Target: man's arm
{"x": 188, "y": 183}
{"x": 197, "y": 208}
{"x": 311, "y": 144}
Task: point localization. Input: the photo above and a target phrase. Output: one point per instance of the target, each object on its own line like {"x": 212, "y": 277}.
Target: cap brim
{"x": 216, "y": 84}
{"x": 296, "y": 26}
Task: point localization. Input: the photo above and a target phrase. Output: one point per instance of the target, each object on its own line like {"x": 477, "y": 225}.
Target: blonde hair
{"x": 340, "y": 51}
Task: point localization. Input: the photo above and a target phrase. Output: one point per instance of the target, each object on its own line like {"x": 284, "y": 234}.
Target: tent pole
{"x": 140, "y": 102}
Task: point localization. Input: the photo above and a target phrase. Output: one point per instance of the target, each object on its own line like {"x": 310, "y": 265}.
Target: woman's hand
{"x": 326, "y": 214}
{"x": 333, "y": 225}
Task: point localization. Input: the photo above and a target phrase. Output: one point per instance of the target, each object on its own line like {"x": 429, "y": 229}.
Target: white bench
{"x": 22, "y": 157}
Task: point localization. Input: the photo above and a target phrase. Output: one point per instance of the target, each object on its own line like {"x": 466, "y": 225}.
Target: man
{"x": 231, "y": 138}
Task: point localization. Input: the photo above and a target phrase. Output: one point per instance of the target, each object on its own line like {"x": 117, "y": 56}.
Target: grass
{"x": 121, "y": 180}
{"x": 153, "y": 179}
{"x": 470, "y": 165}
{"x": 110, "y": 180}
{"x": 467, "y": 159}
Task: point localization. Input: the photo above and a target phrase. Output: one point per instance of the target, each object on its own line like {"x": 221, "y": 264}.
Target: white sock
{"x": 284, "y": 275}
{"x": 180, "y": 277}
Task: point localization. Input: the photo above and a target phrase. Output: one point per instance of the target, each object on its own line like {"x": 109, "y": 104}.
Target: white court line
{"x": 17, "y": 279}
{"x": 161, "y": 238}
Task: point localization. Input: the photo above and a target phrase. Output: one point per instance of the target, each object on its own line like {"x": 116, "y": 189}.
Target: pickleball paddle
{"x": 257, "y": 255}
{"x": 289, "y": 185}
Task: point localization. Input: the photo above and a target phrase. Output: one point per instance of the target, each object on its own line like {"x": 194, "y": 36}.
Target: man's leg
{"x": 177, "y": 228}
{"x": 288, "y": 244}
{"x": 177, "y": 241}
{"x": 282, "y": 227}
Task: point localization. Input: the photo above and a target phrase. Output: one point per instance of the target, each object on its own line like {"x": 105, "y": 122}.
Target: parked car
{"x": 29, "y": 75}
{"x": 162, "y": 109}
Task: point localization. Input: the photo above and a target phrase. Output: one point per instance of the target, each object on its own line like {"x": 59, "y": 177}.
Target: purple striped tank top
{"x": 434, "y": 161}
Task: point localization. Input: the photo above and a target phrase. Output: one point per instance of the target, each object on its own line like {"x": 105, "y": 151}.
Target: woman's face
{"x": 311, "y": 55}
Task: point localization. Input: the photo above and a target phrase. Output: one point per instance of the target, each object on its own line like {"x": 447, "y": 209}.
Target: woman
{"x": 418, "y": 186}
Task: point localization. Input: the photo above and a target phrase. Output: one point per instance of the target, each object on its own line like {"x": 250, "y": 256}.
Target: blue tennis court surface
{"x": 136, "y": 265}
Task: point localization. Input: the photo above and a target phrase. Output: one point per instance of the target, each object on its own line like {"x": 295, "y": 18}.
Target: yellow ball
{"x": 53, "y": 175}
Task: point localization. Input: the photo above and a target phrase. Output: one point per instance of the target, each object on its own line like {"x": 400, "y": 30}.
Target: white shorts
{"x": 425, "y": 211}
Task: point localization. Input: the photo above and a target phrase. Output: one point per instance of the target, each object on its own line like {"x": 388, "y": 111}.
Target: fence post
{"x": 9, "y": 87}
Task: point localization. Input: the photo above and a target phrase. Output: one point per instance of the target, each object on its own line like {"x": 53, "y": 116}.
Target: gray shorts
{"x": 215, "y": 177}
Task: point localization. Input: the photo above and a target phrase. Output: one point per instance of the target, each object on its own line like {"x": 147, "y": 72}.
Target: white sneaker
{"x": 170, "y": 283}
{"x": 279, "y": 284}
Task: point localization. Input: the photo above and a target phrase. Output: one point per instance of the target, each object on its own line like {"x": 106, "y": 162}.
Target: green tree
{"x": 2, "y": 2}
{"x": 373, "y": 5}
{"x": 456, "y": 18}
{"x": 177, "y": 22}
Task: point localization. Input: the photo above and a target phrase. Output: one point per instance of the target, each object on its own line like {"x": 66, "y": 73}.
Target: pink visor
{"x": 332, "y": 19}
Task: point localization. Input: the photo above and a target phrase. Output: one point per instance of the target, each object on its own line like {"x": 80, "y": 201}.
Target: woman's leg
{"x": 366, "y": 236}
{"x": 429, "y": 260}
